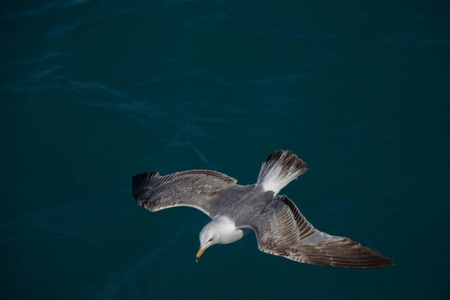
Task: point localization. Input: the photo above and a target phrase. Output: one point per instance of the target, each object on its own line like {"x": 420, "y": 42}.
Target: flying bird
{"x": 235, "y": 210}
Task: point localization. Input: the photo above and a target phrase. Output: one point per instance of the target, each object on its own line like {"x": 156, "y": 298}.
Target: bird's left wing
{"x": 282, "y": 230}
{"x": 195, "y": 188}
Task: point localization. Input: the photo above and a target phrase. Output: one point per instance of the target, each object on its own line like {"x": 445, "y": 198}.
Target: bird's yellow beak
{"x": 199, "y": 253}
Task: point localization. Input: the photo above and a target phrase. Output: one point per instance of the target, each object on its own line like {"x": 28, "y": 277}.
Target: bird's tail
{"x": 280, "y": 168}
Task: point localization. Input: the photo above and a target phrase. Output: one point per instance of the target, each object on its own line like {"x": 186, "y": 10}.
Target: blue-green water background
{"x": 93, "y": 92}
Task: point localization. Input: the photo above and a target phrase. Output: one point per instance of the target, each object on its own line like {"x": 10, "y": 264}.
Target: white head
{"x": 220, "y": 230}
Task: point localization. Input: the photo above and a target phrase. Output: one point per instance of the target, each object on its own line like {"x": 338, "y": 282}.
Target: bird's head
{"x": 208, "y": 237}
{"x": 220, "y": 230}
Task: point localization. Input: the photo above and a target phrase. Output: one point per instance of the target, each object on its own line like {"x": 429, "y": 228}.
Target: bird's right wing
{"x": 193, "y": 188}
{"x": 282, "y": 230}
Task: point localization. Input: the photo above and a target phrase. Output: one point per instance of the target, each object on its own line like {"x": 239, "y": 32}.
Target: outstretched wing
{"x": 282, "y": 230}
{"x": 193, "y": 188}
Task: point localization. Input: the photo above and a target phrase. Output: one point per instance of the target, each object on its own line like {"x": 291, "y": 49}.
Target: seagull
{"x": 236, "y": 210}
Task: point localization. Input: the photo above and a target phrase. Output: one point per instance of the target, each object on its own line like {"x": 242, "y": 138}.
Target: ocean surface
{"x": 94, "y": 92}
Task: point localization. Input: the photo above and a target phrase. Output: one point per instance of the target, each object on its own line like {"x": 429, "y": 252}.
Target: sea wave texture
{"x": 94, "y": 92}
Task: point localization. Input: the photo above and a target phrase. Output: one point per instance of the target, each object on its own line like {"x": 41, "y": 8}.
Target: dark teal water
{"x": 93, "y": 92}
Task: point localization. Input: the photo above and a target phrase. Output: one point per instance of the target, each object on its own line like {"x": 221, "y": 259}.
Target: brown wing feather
{"x": 343, "y": 253}
{"x": 282, "y": 230}
{"x": 193, "y": 188}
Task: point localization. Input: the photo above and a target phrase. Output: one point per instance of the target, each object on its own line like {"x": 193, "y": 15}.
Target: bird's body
{"x": 252, "y": 199}
{"x": 235, "y": 210}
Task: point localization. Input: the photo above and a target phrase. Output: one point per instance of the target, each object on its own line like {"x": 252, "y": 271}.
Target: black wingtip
{"x": 143, "y": 184}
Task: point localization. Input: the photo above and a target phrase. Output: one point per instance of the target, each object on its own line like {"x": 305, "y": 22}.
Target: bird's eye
{"x": 210, "y": 240}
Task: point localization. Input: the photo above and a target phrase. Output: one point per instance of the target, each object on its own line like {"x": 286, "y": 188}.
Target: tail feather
{"x": 280, "y": 168}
